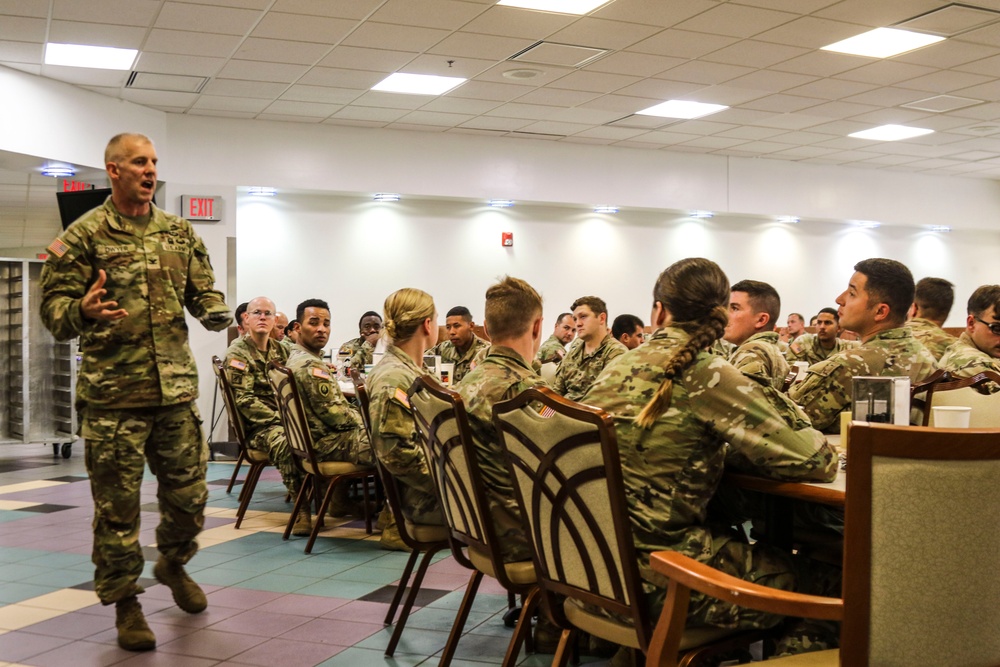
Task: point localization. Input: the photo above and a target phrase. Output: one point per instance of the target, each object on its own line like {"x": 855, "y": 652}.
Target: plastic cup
{"x": 951, "y": 416}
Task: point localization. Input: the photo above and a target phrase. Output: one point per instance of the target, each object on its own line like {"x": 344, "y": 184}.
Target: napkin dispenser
{"x": 883, "y": 400}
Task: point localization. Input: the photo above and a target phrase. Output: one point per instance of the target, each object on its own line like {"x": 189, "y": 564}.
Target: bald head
{"x": 260, "y": 318}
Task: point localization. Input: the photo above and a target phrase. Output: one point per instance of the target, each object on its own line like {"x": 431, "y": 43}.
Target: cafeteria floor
{"x": 268, "y": 602}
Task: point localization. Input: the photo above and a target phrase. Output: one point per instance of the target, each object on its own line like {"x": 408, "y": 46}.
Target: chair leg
{"x": 523, "y": 628}
{"x": 563, "y": 650}
{"x": 404, "y": 614}
{"x": 368, "y": 513}
{"x": 300, "y": 499}
{"x": 461, "y": 618}
{"x": 249, "y": 484}
{"x": 236, "y": 471}
{"x": 403, "y": 579}
{"x": 321, "y": 512}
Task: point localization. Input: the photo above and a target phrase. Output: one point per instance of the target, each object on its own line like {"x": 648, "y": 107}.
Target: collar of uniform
{"x": 298, "y": 347}
{"x": 157, "y": 220}
{"x": 671, "y": 333}
{"x": 607, "y": 340}
{"x": 764, "y": 336}
{"x": 892, "y": 334}
{"x": 405, "y": 358}
{"x": 506, "y": 353}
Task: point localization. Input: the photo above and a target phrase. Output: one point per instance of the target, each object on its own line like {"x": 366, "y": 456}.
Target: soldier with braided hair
{"x": 675, "y": 407}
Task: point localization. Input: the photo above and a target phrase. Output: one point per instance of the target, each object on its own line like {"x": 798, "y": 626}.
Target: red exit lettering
{"x": 200, "y": 208}
{"x": 75, "y": 186}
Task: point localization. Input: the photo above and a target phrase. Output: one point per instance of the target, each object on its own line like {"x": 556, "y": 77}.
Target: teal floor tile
{"x": 360, "y": 657}
{"x": 412, "y": 641}
{"x": 349, "y": 590}
{"x": 220, "y": 576}
{"x": 279, "y": 583}
{"x": 18, "y": 591}
{"x": 21, "y": 571}
{"x": 61, "y": 578}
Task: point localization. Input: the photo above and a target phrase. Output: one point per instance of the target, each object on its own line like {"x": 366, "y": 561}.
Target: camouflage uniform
{"x": 502, "y": 375}
{"x": 395, "y": 439}
{"x": 286, "y": 344}
{"x": 246, "y": 368}
{"x": 826, "y": 391}
{"x": 759, "y": 357}
{"x": 723, "y": 348}
{"x": 360, "y": 353}
{"x": 578, "y": 369}
{"x": 138, "y": 380}
{"x": 463, "y": 362}
{"x": 672, "y": 469}
{"x": 551, "y": 351}
{"x": 963, "y": 360}
{"x": 337, "y": 430}
{"x": 807, "y": 348}
{"x": 934, "y": 338}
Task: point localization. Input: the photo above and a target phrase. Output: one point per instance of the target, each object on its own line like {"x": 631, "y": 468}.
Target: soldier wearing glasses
{"x": 978, "y": 348}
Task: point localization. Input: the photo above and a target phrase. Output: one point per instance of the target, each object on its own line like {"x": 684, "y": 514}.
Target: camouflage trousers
{"x": 345, "y": 446}
{"x": 272, "y": 441}
{"x": 118, "y": 444}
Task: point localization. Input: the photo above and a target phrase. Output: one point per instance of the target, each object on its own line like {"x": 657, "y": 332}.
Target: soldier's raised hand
{"x": 93, "y": 308}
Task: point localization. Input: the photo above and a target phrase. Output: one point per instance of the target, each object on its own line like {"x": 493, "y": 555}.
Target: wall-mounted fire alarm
{"x": 507, "y": 239}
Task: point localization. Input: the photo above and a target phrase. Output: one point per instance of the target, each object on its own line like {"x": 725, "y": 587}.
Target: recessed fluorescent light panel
{"x": 418, "y": 84}
{"x": 891, "y": 133}
{"x": 387, "y": 196}
{"x": 258, "y": 191}
{"x": 788, "y": 219}
{"x": 561, "y": 6}
{"x": 883, "y": 43}
{"x": 682, "y": 109}
{"x": 605, "y": 209}
{"x": 96, "y": 57}
{"x": 701, "y": 215}
{"x": 501, "y": 203}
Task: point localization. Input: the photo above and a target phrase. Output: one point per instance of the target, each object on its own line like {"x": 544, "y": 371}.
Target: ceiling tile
{"x": 811, "y": 33}
{"x": 593, "y": 117}
{"x": 525, "y": 111}
{"x": 821, "y": 63}
{"x": 22, "y": 29}
{"x": 333, "y": 120}
{"x": 885, "y": 72}
{"x": 553, "y": 127}
{"x": 355, "y": 9}
{"x": 514, "y": 22}
{"x": 370, "y": 113}
{"x": 376, "y": 98}
{"x": 603, "y": 34}
{"x": 636, "y": 64}
{"x": 292, "y": 108}
{"x": 840, "y": 109}
{"x": 714, "y": 142}
{"x": 401, "y": 38}
{"x": 705, "y": 73}
{"x": 376, "y": 60}
{"x": 614, "y": 133}
{"x": 21, "y": 52}
{"x": 945, "y": 81}
{"x": 422, "y": 117}
{"x": 114, "y": 12}
{"x": 726, "y": 94}
{"x": 280, "y": 51}
{"x": 411, "y": 127}
{"x": 736, "y": 20}
{"x": 877, "y": 14}
{"x": 32, "y": 8}
{"x": 990, "y": 36}
{"x": 159, "y": 98}
{"x": 989, "y": 111}
{"x": 797, "y": 6}
{"x": 242, "y": 104}
{"x": 166, "y": 63}
{"x": 949, "y": 53}
{"x": 238, "y": 88}
{"x": 84, "y": 76}
{"x": 448, "y": 14}
{"x": 466, "y": 68}
{"x": 482, "y": 46}
{"x": 341, "y": 78}
{"x": 96, "y": 34}
{"x": 296, "y": 27}
{"x": 661, "y": 89}
{"x": 484, "y": 90}
{"x": 623, "y": 104}
{"x": 663, "y": 14}
{"x": 458, "y": 105}
{"x": 895, "y": 116}
{"x": 595, "y": 82}
{"x": 682, "y": 44}
{"x": 832, "y": 89}
{"x": 304, "y": 93}
{"x": 496, "y": 123}
{"x": 889, "y": 97}
{"x": 190, "y": 43}
{"x": 289, "y": 118}
{"x": 198, "y": 18}
{"x": 750, "y": 53}
{"x": 750, "y": 133}
{"x": 771, "y": 81}
{"x": 781, "y": 103}
{"x": 558, "y": 98}
{"x": 791, "y": 121}
{"x": 254, "y": 70}
{"x": 221, "y": 113}
{"x": 700, "y": 127}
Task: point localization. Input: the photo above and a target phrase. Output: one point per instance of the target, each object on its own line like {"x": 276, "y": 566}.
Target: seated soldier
{"x": 677, "y": 411}
{"x": 554, "y": 348}
{"x": 874, "y": 305}
{"x": 814, "y": 348}
{"x": 514, "y": 324}
{"x": 292, "y": 332}
{"x": 978, "y": 348}
{"x": 931, "y": 305}
{"x": 796, "y": 327}
{"x": 361, "y": 350}
{"x": 337, "y": 430}
{"x": 246, "y": 369}
{"x": 593, "y": 349}
{"x": 462, "y": 346}
{"x": 753, "y": 310}
{"x": 628, "y": 330}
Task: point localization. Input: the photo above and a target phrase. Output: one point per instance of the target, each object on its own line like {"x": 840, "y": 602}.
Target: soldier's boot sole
{"x": 133, "y": 631}
{"x": 187, "y": 594}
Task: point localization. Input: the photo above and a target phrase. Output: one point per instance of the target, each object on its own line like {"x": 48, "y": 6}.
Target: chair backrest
{"x": 229, "y": 400}
{"x": 443, "y": 427}
{"x": 292, "y": 413}
{"x": 789, "y": 379}
{"x": 921, "y": 549}
{"x": 985, "y": 407}
{"x": 567, "y": 476}
{"x": 920, "y": 393}
{"x": 364, "y": 402}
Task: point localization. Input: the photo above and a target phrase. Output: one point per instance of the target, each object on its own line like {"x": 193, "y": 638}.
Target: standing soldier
{"x": 120, "y": 278}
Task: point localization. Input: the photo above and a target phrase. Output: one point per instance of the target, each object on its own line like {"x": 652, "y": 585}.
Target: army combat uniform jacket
{"x": 463, "y": 362}
{"x": 963, "y": 360}
{"x": 760, "y": 358}
{"x": 808, "y": 348}
{"x": 578, "y": 369}
{"x": 337, "y": 430}
{"x": 934, "y": 338}
{"x": 142, "y": 360}
{"x": 246, "y": 369}
{"x": 826, "y": 391}
{"x": 551, "y": 351}
{"x": 502, "y": 374}
{"x": 395, "y": 439}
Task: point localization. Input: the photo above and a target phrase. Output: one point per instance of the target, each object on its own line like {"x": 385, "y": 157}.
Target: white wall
{"x": 353, "y": 252}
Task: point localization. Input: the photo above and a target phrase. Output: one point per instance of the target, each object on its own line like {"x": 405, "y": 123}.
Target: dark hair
{"x": 831, "y": 311}
{"x": 889, "y": 282}
{"x": 934, "y": 297}
{"x": 595, "y": 303}
{"x": 562, "y": 315}
{"x": 300, "y": 310}
{"x": 240, "y": 310}
{"x": 511, "y": 306}
{"x": 290, "y": 327}
{"x": 984, "y": 297}
{"x": 370, "y": 313}
{"x": 696, "y": 292}
{"x": 625, "y": 324}
{"x": 460, "y": 311}
{"x": 762, "y": 297}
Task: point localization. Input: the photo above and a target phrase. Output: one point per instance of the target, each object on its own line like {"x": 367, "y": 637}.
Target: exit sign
{"x": 201, "y": 208}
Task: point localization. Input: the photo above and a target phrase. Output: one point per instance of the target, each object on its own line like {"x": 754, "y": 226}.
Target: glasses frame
{"x": 994, "y": 327}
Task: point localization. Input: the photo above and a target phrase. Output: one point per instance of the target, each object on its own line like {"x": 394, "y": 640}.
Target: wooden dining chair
{"x": 563, "y": 459}
{"x": 966, "y": 391}
{"x": 443, "y": 427}
{"x": 422, "y": 539}
{"x": 258, "y": 460}
{"x": 920, "y": 393}
{"x": 300, "y": 444}
{"x": 920, "y": 562}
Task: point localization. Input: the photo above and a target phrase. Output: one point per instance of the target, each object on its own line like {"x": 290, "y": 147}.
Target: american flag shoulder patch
{"x": 320, "y": 373}
{"x": 58, "y": 248}
{"x": 546, "y": 412}
{"x": 400, "y": 396}
{"x": 237, "y": 364}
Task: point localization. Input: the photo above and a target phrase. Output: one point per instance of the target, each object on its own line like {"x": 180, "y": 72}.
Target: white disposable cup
{"x": 951, "y": 416}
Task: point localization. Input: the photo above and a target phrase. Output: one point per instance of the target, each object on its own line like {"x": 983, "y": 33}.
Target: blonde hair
{"x": 511, "y": 306}
{"x": 695, "y": 291}
{"x": 404, "y": 311}
{"x": 113, "y": 152}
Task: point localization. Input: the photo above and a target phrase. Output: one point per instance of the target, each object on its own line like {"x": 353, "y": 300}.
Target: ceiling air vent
{"x": 175, "y": 83}
{"x": 950, "y": 20}
{"x": 941, "y": 103}
{"x": 563, "y": 55}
